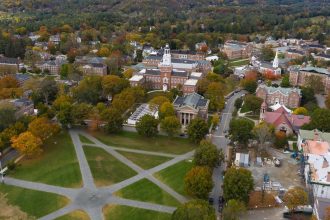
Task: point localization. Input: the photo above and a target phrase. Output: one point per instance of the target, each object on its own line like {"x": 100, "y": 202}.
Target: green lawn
{"x": 57, "y": 165}
{"x": 146, "y": 191}
{"x": 135, "y": 141}
{"x": 125, "y": 212}
{"x": 85, "y": 140}
{"x": 105, "y": 168}
{"x": 34, "y": 203}
{"x": 174, "y": 175}
{"x": 234, "y": 63}
{"x": 75, "y": 215}
{"x": 143, "y": 160}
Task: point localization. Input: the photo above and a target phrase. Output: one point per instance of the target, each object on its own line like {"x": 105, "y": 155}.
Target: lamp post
{"x": 2, "y": 179}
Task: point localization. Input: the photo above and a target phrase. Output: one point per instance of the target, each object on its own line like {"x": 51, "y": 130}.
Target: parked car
{"x": 211, "y": 201}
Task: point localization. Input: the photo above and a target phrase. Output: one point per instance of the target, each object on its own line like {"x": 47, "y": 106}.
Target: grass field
{"x": 124, "y": 212}
{"x": 75, "y": 215}
{"x": 146, "y": 191}
{"x": 135, "y": 141}
{"x": 105, "y": 168}
{"x": 239, "y": 63}
{"x": 34, "y": 203}
{"x": 57, "y": 165}
{"x": 84, "y": 139}
{"x": 174, "y": 175}
{"x": 144, "y": 161}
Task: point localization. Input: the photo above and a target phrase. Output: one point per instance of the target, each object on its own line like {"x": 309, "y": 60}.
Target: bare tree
{"x": 264, "y": 133}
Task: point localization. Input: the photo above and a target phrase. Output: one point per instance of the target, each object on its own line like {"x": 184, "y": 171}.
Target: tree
{"x": 89, "y": 90}
{"x": 195, "y": 209}
{"x": 249, "y": 85}
{"x": 159, "y": 100}
{"x": 147, "y": 126}
{"x": 238, "y": 183}
{"x": 7, "y": 115}
{"x": 316, "y": 83}
{"x": 295, "y": 197}
{"x": 300, "y": 111}
{"x": 206, "y": 154}
{"x": 285, "y": 81}
{"x": 308, "y": 95}
{"x": 197, "y": 129}
{"x": 253, "y": 103}
{"x": 112, "y": 84}
{"x": 215, "y": 119}
{"x": 281, "y": 139}
{"x": 321, "y": 120}
{"x": 233, "y": 210}
{"x": 198, "y": 182}
{"x": 43, "y": 128}
{"x": 240, "y": 130}
{"x": 27, "y": 143}
{"x": 238, "y": 103}
{"x": 64, "y": 115}
{"x": 171, "y": 125}
{"x": 128, "y": 73}
{"x": 80, "y": 112}
{"x": 8, "y": 133}
{"x": 166, "y": 110}
{"x": 114, "y": 120}
{"x": 263, "y": 132}
{"x": 103, "y": 52}
{"x": 267, "y": 53}
{"x": 214, "y": 93}
{"x": 46, "y": 91}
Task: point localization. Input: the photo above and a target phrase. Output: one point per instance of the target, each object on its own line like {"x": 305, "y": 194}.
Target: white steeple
{"x": 275, "y": 61}
{"x": 167, "y": 56}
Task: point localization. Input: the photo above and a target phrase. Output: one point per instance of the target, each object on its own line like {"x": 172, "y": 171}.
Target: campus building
{"x": 289, "y": 97}
{"x": 190, "y": 107}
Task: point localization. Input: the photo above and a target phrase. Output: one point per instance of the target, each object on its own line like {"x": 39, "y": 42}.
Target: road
{"x": 219, "y": 139}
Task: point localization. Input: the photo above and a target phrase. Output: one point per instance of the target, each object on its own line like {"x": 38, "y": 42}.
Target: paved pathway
{"x": 92, "y": 199}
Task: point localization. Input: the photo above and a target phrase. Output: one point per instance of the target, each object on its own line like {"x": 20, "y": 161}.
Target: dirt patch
{"x": 10, "y": 212}
{"x": 99, "y": 158}
{"x": 287, "y": 174}
{"x": 257, "y": 199}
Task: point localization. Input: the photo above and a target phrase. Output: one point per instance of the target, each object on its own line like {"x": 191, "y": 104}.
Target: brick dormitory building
{"x": 170, "y": 73}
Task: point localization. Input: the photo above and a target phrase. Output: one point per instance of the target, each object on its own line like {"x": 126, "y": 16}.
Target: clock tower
{"x": 165, "y": 67}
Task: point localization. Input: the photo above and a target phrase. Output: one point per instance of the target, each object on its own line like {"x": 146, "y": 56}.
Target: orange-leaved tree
{"x": 43, "y": 128}
{"x": 27, "y": 143}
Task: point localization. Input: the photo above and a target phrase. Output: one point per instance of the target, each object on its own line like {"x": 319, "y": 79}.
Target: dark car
{"x": 221, "y": 200}
{"x": 211, "y": 201}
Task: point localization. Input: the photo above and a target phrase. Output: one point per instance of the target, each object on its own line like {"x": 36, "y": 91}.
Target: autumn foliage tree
{"x": 27, "y": 143}
{"x": 198, "y": 182}
{"x": 43, "y": 128}
{"x": 171, "y": 125}
{"x": 295, "y": 197}
{"x": 196, "y": 209}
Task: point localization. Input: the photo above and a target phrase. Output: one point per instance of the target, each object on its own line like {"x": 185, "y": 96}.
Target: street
{"x": 219, "y": 139}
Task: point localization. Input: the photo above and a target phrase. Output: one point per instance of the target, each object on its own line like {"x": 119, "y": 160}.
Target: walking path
{"x": 92, "y": 199}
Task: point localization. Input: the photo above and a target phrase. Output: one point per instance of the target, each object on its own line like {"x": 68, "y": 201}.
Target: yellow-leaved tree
{"x": 43, "y": 128}
{"x": 27, "y": 143}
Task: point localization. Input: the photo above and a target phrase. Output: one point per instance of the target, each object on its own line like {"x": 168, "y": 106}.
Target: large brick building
{"x": 166, "y": 76}
{"x": 237, "y": 50}
{"x": 180, "y": 60}
{"x": 299, "y": 76}
{"x": 289, "y": 97}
